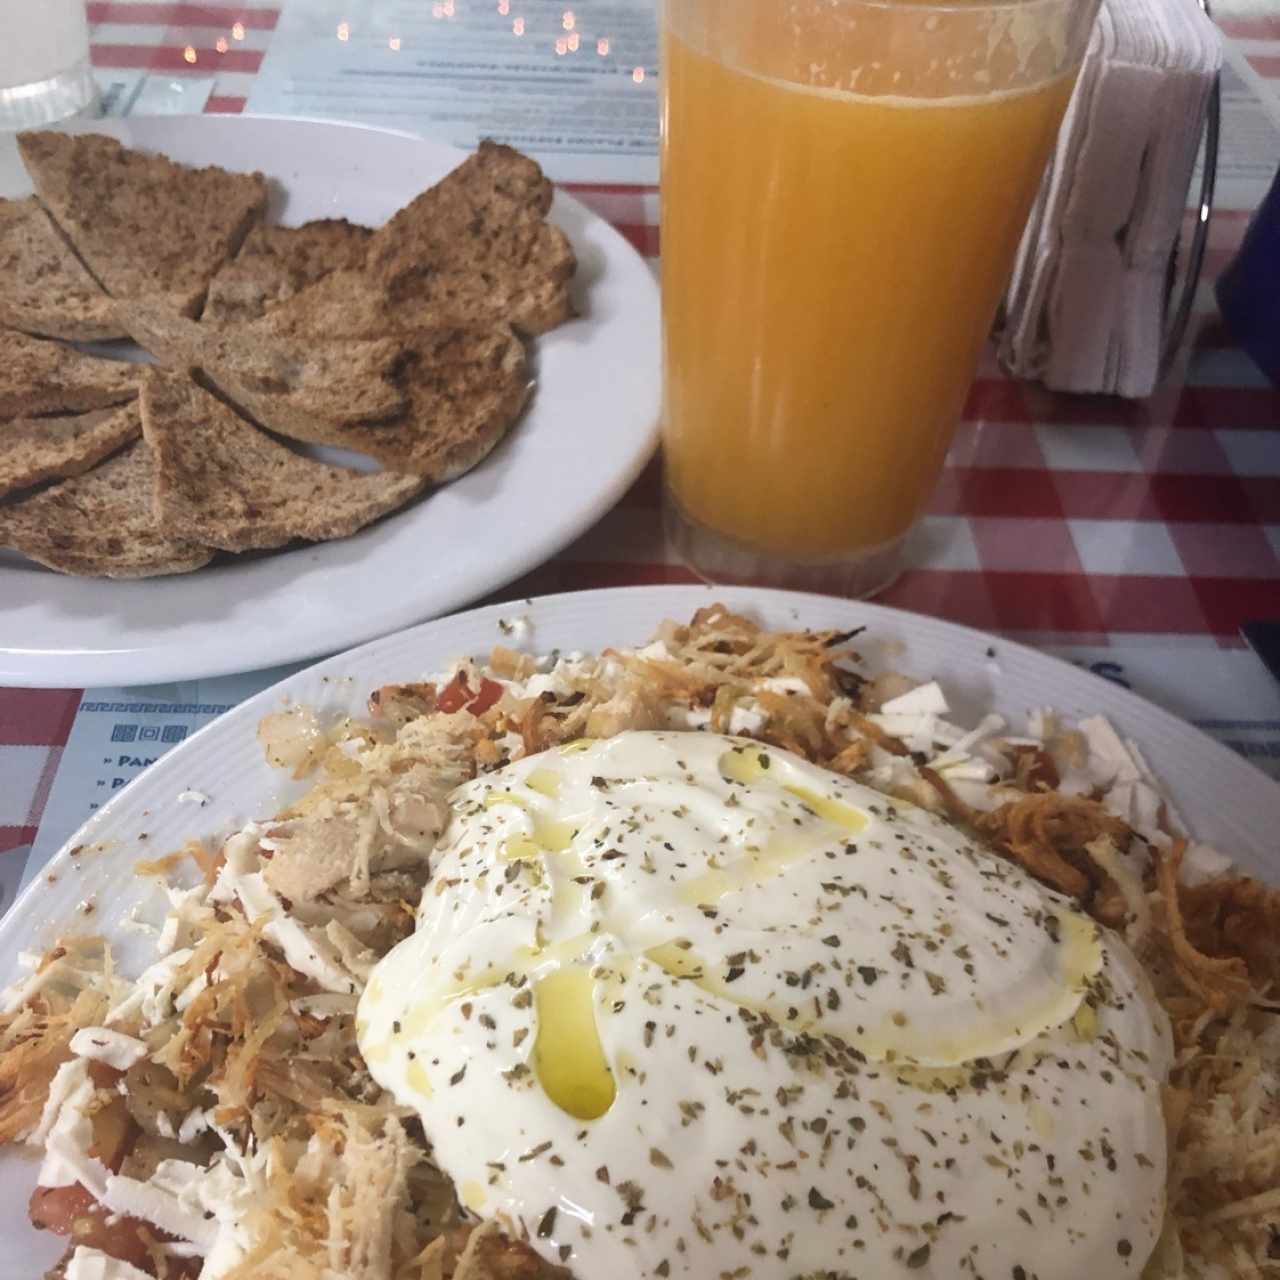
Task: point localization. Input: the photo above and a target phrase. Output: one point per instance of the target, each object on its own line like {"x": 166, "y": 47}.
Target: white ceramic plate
{"x": 589, "y": 430}
{"x": 1224, "y": 799}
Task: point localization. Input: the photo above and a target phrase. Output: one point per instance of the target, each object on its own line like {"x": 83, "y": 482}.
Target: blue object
{"x": 1249, "y": 290}
{"x": 1264, "y": 640}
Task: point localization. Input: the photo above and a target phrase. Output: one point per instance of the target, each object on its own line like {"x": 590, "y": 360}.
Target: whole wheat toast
{"x": 44, "y": 288}
{"x": 222, "y": 482}
{"x": 274, "y": 263}
{"x": 466, "y": 384}
{"x": 305, "y": 389}
{"x": 143, "y": 225}
{"x": 100, "y": 524}
{"x": 478, "y": 242}
{"x": 466, "y": 388}
{"x": 33, "y": 450}
{"x": 347, "y": 304}
{"x": 47, "y": 377}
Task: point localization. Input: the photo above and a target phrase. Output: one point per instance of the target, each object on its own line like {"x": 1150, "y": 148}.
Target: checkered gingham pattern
{"x": 1058, "y": 518}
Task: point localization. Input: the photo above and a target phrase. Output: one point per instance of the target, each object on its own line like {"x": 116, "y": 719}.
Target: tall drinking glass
{"x": 44, "y": 61}
{"x": 844, "y": 184}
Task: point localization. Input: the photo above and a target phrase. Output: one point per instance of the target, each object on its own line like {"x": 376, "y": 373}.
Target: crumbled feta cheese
{"x": 1172, "y": 817}
{"x": 203, "y": 1206}
{"x": 746, "y": 717}
{"x": 552, "y": 682}
{"x": 971, "y": 770}
{"x": 16, "y": 995}
{"x": 977, "y": 795}
{"x": 782, "y": 684}
{"x": 682, "y": 717}
{"x": 67, "y": 1080}
{"x": 194, "y": 1123}
{"x": 1042, "y": 723}
{"x": 1137, "y": 804}
{"x": 1109, "y": 761}
{"x": 924, "y": 698}
{"x": 65, "y": 1131}
{"x": 183, "y": 998}
{"x": 902, "y": 725}
{"x": 181, "y": 1249}
{"x": 987, "y": 727}
{"x": 104, "y": 1045}
{"x": 169, "y": 1199}
{"x": 93, "y": 1264}
{"x": 152, "y": 993}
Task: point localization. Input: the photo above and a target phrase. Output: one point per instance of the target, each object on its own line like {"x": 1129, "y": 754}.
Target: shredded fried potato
{"x": 249, "y": 1059}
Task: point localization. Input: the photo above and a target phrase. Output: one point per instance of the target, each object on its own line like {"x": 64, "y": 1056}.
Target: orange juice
{"x": 832, "y": 260}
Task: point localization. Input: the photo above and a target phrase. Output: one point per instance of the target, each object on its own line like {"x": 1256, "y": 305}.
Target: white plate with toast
{"x": 588, "y": 430}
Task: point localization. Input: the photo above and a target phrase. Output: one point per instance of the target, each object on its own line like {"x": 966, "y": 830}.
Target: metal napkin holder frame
{"x": 1180, "y": 313}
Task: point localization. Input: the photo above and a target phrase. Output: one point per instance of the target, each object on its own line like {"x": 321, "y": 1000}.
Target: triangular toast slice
{"x": 478, "y": 244}
{"x": 49, "y": 377}
{"x": 222, "y": 482}
{"x": 44, "y": 287}
{"x": 100, "y": 524}
{"x": 33, "y": 450}
{"x": 143, "y": 225}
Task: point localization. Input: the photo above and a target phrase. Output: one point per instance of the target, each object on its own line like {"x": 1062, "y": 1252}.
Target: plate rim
{"x": 170, "y": 661}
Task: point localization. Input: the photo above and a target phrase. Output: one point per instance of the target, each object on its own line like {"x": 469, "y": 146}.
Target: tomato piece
{"x": 490, "y": 692}
{"x": 1034, "y": 767}
{"x": 458, "y": 694}
{"x": 72, "y": 1211}
{"x": 455, "y": 695}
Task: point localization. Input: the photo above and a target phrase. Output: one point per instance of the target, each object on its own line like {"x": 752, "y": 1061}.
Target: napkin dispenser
{"x": 1090, "y": 306}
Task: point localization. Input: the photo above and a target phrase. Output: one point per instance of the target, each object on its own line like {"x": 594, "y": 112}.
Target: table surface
{"x": 1059, "y": 519}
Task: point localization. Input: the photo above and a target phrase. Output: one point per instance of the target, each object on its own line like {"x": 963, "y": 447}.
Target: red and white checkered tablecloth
{"x": 1058, "y": 519}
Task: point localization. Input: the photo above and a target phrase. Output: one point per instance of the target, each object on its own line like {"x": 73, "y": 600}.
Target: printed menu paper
{"x": 574, "y": 84}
